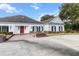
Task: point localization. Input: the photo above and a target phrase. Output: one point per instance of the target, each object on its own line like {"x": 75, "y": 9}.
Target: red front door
{"x": 21, "y": 29}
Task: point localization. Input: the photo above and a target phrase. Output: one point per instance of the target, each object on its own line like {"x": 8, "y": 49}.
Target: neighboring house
{"x": 23, "y": 24}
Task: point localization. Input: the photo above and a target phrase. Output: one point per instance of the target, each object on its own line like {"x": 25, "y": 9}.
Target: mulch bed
{"x": 39, "y": 34}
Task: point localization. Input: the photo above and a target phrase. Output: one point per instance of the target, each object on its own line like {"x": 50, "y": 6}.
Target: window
{"x": 0, "y": 29}
{"x": 53, "y": 28}
{"x": 60, "y": 28}
{"x": 5, "y": 29}
{"x": 39, "y": 29}
{"x": 17, "y": 27}
{"x": 33, "y": 28}
{"x": 42, "y": 28}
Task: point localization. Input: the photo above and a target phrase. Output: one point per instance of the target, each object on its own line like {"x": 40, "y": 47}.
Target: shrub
{"x": 69, "y": 31}
{"x": 40, "y": 34}
{"x": 6, "y": 33}
{"x": 72, "y": 27}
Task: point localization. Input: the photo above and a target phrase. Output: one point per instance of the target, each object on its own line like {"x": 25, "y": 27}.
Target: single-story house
{"x": 22, "y": 24}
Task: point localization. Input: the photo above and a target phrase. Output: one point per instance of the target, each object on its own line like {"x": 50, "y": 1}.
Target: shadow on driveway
{"x": 64, "y": 50}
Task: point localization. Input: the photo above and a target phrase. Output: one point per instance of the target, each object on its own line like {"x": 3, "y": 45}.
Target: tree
{"x": 46, "y": 17}
{"x": 69, "y": 11}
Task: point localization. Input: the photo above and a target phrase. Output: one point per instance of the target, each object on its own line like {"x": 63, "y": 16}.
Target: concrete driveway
{"x": 60, "y": 45}
{"x": 26, "y": 48}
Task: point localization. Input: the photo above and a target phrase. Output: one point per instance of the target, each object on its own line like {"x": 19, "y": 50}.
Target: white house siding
{"x": 27, "y": 29}
{"x": 61, "y": 29}
{"x": 15, "y": 27}
{"x": 4, "y": 25}
{"x": 56, "y": 22}
{"x": 35, "y": 27}
{"x": 11, "y": 27}
{"x": 48, "y": 27}
{"x": 57, "y": 28}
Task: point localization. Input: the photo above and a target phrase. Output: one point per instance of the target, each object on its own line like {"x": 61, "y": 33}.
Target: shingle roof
{"x": 19, "y": 19}
{"x": 55, "y": 20}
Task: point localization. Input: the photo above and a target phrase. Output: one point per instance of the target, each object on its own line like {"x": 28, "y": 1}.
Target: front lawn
{"x": 53, "y": 34}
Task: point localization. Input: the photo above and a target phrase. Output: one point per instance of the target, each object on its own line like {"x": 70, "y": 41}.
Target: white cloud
{"x": 35, "y": 6}
{"x": 8, "y": 8}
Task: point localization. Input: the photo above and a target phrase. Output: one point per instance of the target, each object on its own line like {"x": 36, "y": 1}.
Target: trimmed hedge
{"x": 6, "y": 33}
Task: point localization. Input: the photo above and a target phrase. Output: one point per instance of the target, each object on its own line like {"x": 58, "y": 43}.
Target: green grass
{"x": 55, "y": 34}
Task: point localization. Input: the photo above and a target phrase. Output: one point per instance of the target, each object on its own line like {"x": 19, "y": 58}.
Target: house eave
{"x": 19, "y": 23}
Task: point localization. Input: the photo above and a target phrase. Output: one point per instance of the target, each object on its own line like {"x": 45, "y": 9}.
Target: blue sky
{"x": 33, "y": 10}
